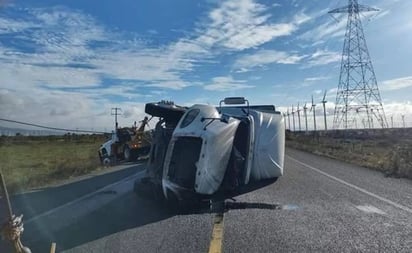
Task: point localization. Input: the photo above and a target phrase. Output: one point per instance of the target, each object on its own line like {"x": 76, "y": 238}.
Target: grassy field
{"x": 29, "y": 162}
{"x": 389, "y": 150}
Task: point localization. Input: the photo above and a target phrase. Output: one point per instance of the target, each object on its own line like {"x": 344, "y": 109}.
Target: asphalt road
{"x": 319, "y": 205}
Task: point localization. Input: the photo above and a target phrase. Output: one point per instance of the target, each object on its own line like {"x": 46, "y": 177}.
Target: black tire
{"x": 106, "y": 161}
{"x": 168, "y": 112}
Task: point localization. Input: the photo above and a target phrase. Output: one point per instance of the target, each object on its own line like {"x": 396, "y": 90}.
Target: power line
{"x": 51, "y": 128}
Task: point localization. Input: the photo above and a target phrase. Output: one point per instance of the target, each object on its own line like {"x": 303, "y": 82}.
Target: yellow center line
{"x": 217, "y": 234}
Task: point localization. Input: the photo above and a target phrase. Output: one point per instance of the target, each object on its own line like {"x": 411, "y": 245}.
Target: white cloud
{"x": 301, "y": 18}
{"x": 13, "y": 26}
{"x": 264, "y": 57}
{"x": 328, "y": 26}
{"x": 66, "y": 109}
{"x": 65, "y": 56}
{"x": 333, "y": 91}
{"x": 243, "y": 24}
{"x": 396, "y": 84}
{"x": 323, "y": 57}
{"x": 59, "y": 80}
{"x": 170, "y": 84}
{"x": 226, "y": 83}
{"x": 398, "y": 108}
{"x": 22, "y": 76}
{"x": 316, "y": 78}
{"x": 332, "y": 26}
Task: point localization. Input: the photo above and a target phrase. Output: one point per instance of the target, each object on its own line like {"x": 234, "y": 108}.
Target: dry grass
{"x": 389, "y": 152}
{"x": 29, "y": 162}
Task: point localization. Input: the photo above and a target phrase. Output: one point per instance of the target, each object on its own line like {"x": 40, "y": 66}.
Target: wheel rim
{"x": 106, "y": 161}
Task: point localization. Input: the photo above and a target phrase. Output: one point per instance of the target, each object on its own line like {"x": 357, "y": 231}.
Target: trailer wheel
{"x": 106, "y": 161}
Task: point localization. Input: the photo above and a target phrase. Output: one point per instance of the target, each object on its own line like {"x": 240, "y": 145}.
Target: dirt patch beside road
{"x": 386, "y": 150}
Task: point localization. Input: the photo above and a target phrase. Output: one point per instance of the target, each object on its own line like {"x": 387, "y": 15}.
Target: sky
{"x": 66, "y": 63}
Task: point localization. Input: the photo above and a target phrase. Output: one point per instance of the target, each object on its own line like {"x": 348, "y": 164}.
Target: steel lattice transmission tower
{"x": 358, "y": 94}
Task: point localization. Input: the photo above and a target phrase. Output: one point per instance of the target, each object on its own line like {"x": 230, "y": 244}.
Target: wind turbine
{"x": 305, "y": 108}
{"x": 371, "y": 120}
{"x": 288, "y": 118}
{"x": 324, "y": 110}
{"x": 293, "y": 116}
{"x": 357, "y": 115}
{"x": 298, "y": 111}
{"x": 312, "y": 108}
{"x": 403, "y": 120}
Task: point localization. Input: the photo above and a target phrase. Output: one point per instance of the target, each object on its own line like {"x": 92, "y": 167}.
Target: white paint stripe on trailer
{"x": 390, "y": 202}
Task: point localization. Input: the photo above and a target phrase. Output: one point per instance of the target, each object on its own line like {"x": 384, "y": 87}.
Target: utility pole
{"x": 324, "y": 110}
{"x": 284, "y": 119}
{"x": 312, "y": 108}
{"x": 392, "y": 121}
{"x": 298, "y": 110}
{"x": 357, "y": 81}
{"x": 305, "y": 108}
{"x": 116, "y": 111}
{"x": 293, "y": 116}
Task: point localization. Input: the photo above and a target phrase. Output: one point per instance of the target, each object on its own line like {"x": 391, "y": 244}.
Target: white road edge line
{"x": 84, "y": 197}
{"x": 404, "y": 208}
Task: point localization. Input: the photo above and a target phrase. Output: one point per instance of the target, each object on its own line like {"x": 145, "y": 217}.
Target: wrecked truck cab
{"x": 198, "y": 153}
{"x": 215, "y": 151}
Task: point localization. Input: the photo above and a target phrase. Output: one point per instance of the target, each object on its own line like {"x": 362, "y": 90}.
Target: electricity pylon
{"x": 357, "y": 86}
